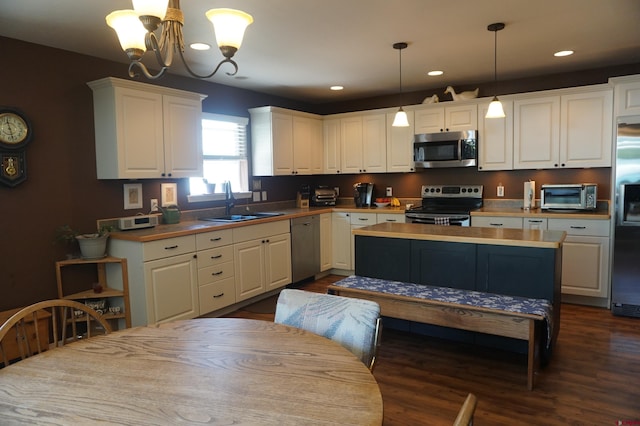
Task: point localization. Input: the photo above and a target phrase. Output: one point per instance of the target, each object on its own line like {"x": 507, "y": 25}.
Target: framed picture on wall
{"x": 169, "y": 194}
{"x": 132, "y": 196}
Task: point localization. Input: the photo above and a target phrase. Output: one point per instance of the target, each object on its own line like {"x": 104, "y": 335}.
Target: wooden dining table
{"x": 213, "y": 371}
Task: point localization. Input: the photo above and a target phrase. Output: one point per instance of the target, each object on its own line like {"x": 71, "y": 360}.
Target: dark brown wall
{"x": 49, "y": 86}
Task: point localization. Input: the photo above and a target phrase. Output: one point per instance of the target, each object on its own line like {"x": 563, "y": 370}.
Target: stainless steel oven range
{"x": 446, "y": 205}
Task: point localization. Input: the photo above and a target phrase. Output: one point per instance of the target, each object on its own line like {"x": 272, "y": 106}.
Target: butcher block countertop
{"x": 601, "y": 214}
{"x": 195, "y": 226}
{"x": 457, "y": 234}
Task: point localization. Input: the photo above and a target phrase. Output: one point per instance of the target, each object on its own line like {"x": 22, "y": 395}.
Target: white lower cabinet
{"x": 325, "y": 242}
{"x": 534, "y": 223}
{"x": 390, "y": 217}
{"x": 585, "y": 256}
{"x": 172, "y": 288}
{"x": 341, "y": 237}
{"x": 216, "y": 281}
{"x": 358, "y": 220}
{"x": 262, "y": 256}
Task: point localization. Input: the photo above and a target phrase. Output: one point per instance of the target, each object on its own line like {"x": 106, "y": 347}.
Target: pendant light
{"x": 400, "y": 119}
{"x": 495, "y": 107}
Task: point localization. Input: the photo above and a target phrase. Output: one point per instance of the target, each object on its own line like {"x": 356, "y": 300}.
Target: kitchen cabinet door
{"x": 443, "y": 264}
{"x": 429, "y": 119}
{"x": 495, "y": 135}
{"x": 341, "y": 240}
{"x": 374, "y": 143}
{"x": 400, "y": 145}
{"x": 182, "y": 118}
{"x": 316, "y": 143}
{"x": 277, "y": 259}
{"x": 171, "y": 289}
{"x": 250, "y": 264}
{"x": 282, "y": 140}
{"x": 332, "y": 147}
{"x": 536, "y": 133}
{"x": 436, "y": 118}
{"x": 351, "y": 144}
{"x": 326, "y": 236}
{"x": 627, "y": 95}
{"x": 586, "y": 129}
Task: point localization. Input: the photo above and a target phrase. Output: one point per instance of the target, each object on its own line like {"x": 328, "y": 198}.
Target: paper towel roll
{"x": 529, "y": 194}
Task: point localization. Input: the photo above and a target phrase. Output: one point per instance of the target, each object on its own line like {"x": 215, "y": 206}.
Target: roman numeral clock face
{"x": 15, "y": 133}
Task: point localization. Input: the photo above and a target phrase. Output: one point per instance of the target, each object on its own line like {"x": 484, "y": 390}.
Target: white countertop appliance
{"x": 570, "y": 196}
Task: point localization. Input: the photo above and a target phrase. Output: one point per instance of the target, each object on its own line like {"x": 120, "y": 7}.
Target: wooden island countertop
{"x": 474, "y": 235}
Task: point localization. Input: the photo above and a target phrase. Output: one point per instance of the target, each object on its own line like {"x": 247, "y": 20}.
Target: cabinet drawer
{"x": 169, "y": 247}
{"x": 390, "y": 217}
{"x": 217, "y": 295}
{"x": 213, "y": 239}
{"x": 215, "y": 256}
{"x": 363, "y": 219}
{"x": 215, "y": 273}
{"x": 497, "y": 222}
{"x": 596, "y": 228}
{"x": 535, "y": 223}
{"x": 263, "y": 230}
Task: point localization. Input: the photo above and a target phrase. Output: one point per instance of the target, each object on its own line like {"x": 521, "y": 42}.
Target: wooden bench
{"x": 501, "y": 315}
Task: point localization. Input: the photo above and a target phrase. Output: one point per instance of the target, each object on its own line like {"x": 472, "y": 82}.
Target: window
{"x": 224, "y": 149}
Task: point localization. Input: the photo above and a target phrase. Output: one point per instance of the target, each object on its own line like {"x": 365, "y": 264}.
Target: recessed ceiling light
{"x": 200, "y": 46}
{"x": 336, "y": 88}
{"x": 435, "y": 73}
{"x": 563, "y": 53}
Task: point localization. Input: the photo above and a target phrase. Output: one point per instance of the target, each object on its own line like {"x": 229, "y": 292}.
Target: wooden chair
{"x": 354, "y": 323}
{"x": 467, "y": 411}
{"x": 27, "y": 332}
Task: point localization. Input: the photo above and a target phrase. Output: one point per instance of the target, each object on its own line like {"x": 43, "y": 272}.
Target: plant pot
{"x": 92, "y": 246}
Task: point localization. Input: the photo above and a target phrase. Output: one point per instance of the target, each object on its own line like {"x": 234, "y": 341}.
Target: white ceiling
{"x": 298, "y": 48}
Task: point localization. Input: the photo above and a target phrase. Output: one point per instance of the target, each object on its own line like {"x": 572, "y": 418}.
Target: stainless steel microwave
{"x": 446, "y": 149}
{"x": 576, "y": 196}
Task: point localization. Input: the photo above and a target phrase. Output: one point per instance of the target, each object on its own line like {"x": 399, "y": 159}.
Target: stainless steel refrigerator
{"x": 625, "y": 290}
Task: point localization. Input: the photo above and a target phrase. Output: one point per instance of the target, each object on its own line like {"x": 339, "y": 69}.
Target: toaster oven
{"x": 576, "y": 196}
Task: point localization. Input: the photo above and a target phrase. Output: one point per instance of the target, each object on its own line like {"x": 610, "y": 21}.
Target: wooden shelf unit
{"x": 107, "y": 292}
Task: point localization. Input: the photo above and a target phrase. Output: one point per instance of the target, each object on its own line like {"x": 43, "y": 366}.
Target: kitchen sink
{"x": 241, "y": 217}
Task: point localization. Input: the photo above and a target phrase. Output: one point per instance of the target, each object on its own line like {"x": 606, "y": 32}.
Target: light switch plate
{"x": 256, "y": 196}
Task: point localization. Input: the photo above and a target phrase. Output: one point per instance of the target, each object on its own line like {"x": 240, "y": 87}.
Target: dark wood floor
{"x": 593, "y": 377}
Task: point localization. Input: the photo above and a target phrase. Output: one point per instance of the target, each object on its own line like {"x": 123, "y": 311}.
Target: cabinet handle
{"x": 219, "y": 295}
{"x": 171, "y": 247}
{"x": 535, "y": 221}
{"x": 495, "y": 224}
{"x": 217, "y": 273}
{"x": 578, "y": 227}
{"x": 391, "y": 220}
{"x": 215, "y": 239}
{"x": 362, "y": 218}
{"x": 216, "y": 257}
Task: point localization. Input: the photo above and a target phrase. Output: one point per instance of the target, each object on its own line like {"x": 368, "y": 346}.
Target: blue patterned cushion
{"x": 348, "y": 321}
{"x": 452, "y": 295}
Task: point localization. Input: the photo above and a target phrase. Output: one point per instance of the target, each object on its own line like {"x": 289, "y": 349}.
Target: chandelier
{"x": 136, "y": 33}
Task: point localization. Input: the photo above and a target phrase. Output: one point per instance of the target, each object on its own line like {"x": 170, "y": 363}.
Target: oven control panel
{"x": 451, "y": 191}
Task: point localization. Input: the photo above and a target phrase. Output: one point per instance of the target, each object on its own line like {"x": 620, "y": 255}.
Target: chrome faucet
{"x": 229, "y": 201}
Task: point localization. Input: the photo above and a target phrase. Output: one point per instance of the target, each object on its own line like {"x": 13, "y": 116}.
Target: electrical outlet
{"x": 154, "y": 205}
{"x": 500, "y": 191}
{"x": 389, "y": 191}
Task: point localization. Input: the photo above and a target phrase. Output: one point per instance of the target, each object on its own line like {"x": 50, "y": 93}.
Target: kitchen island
{"x": 513, "y": 262}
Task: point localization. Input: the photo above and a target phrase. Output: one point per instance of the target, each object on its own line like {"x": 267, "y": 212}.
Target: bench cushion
{"x": 498, "y": 302}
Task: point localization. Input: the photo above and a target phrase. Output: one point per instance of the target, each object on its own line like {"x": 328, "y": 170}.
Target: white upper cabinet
{"x": 586, "y": 126}
{"x": 400, "y": 145}
{"x": 536, "y": 133}
{"x": 495, "y": 138}
{"x": 627, "y": 95}
{"x": 355, "y": 143}
{"x": 439, "y": 118}
{"x": 146, "y": 131}
{"x": 569, "y": 130}
{"x": 285, "y": 142}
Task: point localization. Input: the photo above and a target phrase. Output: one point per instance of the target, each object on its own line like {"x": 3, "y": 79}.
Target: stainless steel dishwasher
{"x": 305, "y": 247}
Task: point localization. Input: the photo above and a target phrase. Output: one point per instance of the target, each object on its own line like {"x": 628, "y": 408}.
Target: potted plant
{"x": 92, "y": 246}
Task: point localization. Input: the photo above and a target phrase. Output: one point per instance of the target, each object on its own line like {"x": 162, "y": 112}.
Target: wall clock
{"x": 15, "y": 129}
